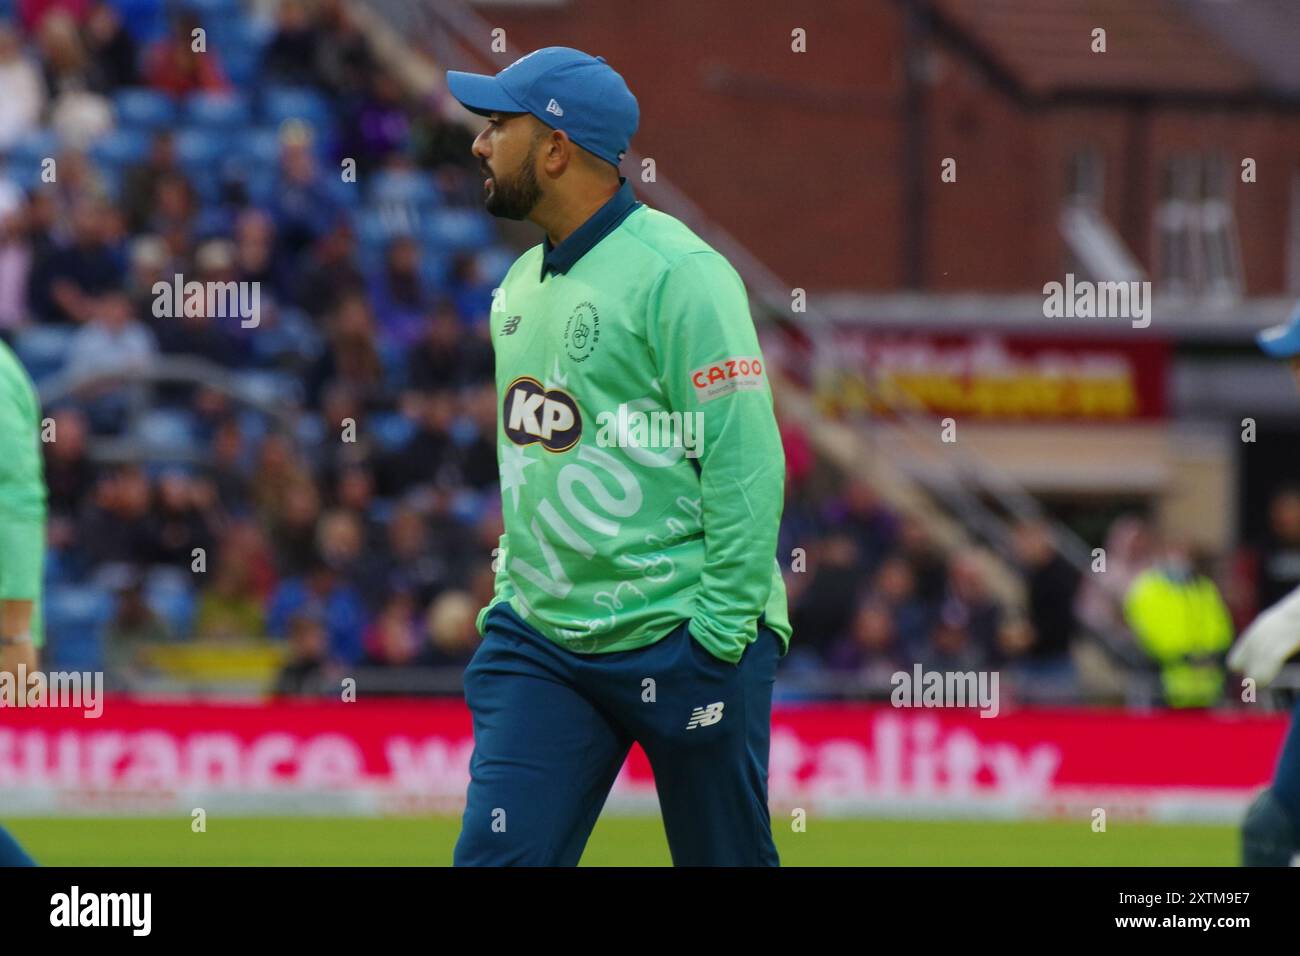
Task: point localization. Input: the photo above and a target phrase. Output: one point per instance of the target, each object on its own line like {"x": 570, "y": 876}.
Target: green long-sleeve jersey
{"x": 642, "y": 473}
{"x": 22, "y": 485}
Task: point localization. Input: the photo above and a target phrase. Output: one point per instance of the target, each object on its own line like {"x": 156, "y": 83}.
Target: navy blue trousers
{"x": 11, "y": 854}
{"x": 1286, "y": 778}
{"x": 552, "y": 728}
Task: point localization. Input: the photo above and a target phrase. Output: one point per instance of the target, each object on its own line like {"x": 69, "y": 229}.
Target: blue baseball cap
{"x": 1282, "y": 341}
{"x": 564, "y": 88}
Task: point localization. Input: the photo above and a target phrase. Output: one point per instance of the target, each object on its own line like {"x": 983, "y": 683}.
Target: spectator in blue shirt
{"x": 303, "y": 206}
{"x": 321, "y": 591}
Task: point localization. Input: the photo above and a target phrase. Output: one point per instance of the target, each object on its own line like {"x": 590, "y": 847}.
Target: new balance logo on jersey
{"x": 554, "y": 107}
{"x": 705, "y": 716}
{"x": 511, "y": 325}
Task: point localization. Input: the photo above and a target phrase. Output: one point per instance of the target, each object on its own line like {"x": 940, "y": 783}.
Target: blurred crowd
{"x": 348, "y": 517}
{"x": 352, "y": 518}
{"x": 880, "y": 596}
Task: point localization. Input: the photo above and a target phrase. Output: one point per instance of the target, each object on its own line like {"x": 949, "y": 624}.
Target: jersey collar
{"x": 603, "y": 221}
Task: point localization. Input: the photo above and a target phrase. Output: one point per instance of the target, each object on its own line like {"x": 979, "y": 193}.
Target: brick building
{"x": 1143, "y": 141}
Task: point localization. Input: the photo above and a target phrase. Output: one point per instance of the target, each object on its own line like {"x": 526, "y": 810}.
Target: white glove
{"x": 1269, "y": 641}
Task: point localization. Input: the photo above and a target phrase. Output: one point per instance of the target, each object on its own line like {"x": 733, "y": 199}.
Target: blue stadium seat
{"x": 463, "y": 432}
{"x": 176, "y": 608}
{"x": 261, "y": 146}
{"x": 207, "y": 184}
{"x": 306, "y": 335}
{"x": 403, "y": 187}
{"x": 375, "y": 227}
{"x": 435, "y": 266}
{"x": 291, "y": 335}
{"x": 253, "y": 426}
{"x": 281, "y": 103}
{"x": 111, "y": 177}
{"x": 467, "y": 507}
{"x": 174, "y": 430}
{"x": 145, "y": 20}
{"x": 75, "y": 619}
{"x": 58, "y": 569}
{"x": 392, "y": 429}
{"x": 171, "y": 595}
{"x": 121, "y": 147}
{"x": 218, "y": 111}
{"x": 310, "y": 430}
{"x": 162, "y": 577}
{"x": 458, "y": 230}
{"x": 26, "y": 155}
{"x": 43, "y": 348}
{"x": 381, "y": 510}
{"x": 26, "y": 176}
{"x": 276, "y": 388}
{"x": 494, "y": 263}
{"x": 200, "y": 148}
{"x": 261, "y": 186}
{"x": 348, "y": 194}
{"x": 213, "y": 9}
{"x": 239, "y": 32}
{"x": 139, "y": 106}
{"x": 392, "y": 355}
{"x": 241, "y": 64}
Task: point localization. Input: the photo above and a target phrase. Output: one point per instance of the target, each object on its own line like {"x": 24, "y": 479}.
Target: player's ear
{"x": 557, "y": 152}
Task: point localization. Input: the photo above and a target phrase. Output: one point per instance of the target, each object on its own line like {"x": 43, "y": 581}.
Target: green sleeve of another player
{"x": 707, "y": 356}
{"x": 502, "y": 590}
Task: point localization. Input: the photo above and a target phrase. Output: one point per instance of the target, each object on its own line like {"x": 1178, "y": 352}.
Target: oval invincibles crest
{"x": 582, "y": 332}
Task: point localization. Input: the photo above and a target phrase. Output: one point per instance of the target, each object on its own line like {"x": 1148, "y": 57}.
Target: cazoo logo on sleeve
{"x": 726, "y": 376}
{"x": 532, "y": 413}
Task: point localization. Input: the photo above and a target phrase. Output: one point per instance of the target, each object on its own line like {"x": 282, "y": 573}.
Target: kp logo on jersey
{"x": 533, "y": 414}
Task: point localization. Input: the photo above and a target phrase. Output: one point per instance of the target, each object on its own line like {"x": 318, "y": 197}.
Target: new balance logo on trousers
{"x": 704, "y": 716}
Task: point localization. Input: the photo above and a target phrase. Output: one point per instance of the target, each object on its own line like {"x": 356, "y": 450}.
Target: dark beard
{"x": 516, "y": 197}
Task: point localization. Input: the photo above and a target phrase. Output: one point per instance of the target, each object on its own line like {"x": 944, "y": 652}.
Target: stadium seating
{"x": 75, "y": 618}
{"x": 168, "y": 431}
{"x": 218, "y": 111}
{"x": 283, "y": 103}
{"x": 403, "y": 188}
{"x": 42, "y": 349}
{"x": 223, "y": 137}
{"x": 170, "y": 594}
{"x": 120, "y": 147}
{"x": 144, "y": 108}
{"x": 392, "y": 430}
{"x": 458, "y": 230}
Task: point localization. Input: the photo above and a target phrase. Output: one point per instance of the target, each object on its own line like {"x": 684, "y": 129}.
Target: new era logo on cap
{"x": 600, "y": 113}
{"x": 1282, "y": 341}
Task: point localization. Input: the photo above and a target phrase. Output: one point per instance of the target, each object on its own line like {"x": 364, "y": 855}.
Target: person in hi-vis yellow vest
{"x": 1180, "y": 620}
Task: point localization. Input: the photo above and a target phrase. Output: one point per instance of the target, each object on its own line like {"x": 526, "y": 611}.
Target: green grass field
{"x": 617, "y": 841}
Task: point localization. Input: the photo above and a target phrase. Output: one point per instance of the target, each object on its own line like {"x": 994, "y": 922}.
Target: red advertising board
{"x": 993, "y": 376}
{"x": 413, "y": 755}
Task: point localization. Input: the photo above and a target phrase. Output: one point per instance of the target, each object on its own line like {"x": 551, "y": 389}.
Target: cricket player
{"x": 22, "y": 535}
{"x": 638, "y": 597}
{"x": 1270, "y": 834}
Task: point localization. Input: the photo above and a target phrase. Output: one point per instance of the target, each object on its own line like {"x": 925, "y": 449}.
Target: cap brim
{"x": 481, "y": 94}
{"x": 1280, "y": 341}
